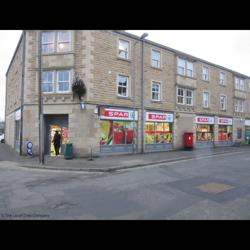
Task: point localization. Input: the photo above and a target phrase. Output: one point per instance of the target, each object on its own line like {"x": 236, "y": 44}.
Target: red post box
{"x": 188, "y": 140}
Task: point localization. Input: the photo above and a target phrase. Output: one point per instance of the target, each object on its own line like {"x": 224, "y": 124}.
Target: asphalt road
{"x": 215, "y": 187}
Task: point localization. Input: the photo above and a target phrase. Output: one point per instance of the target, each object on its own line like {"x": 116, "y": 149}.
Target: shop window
{"x": 224, "y": 133}
{"x": 158, "y": 132}
{"x": 117, "y": 132}
{"x": 204, "y": 132}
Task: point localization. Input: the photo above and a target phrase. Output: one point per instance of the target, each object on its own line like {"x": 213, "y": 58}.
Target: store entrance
{"x": 55, "y": 123}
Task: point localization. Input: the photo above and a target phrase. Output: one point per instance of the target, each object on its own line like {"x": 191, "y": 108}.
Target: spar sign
{"x": 159, "y": 117}
{"x": 204, "y": 119}
{"x": 118, "y": 114}
{"x": 225, "y": 121}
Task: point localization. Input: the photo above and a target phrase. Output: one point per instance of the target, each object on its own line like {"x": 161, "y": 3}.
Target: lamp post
{"x": 143, "y": 36}
{"x": 40, "y": 109}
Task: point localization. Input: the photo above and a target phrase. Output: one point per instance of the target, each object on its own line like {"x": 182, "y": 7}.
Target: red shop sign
{"x": 118, "y": 114}
{"x": 225, "y": 121}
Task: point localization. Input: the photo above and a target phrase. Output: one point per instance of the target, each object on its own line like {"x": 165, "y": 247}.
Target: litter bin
{"x": 68, "y": 152}
{"x": 188, "y": 140}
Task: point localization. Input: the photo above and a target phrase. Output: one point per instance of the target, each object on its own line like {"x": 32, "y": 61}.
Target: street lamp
{"x": 143, "y": 36}
{"x": 40, "y": 104}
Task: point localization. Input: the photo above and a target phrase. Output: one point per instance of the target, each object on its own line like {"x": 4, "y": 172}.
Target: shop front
{"x": 118, "y": 130}
{"x": 225, "y": 131}
{"x": 204, "y": 131}
{"x": 247, "y": 131}
{"x": 159, "y": 131}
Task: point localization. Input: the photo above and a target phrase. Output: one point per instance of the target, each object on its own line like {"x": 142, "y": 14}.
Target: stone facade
{"x": 94, "y": 57}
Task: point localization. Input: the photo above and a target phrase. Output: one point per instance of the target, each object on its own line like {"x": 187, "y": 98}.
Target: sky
{"x": 230, "y": 48}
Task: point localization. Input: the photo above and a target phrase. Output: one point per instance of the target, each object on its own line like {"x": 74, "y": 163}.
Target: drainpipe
{"x": 22, "y": 93}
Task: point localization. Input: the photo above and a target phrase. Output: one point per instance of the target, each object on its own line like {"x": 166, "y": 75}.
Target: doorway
{"x": 55, "y": 123}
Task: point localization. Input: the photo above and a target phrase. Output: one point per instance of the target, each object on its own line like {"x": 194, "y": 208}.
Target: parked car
{"x": 2, "y": 138}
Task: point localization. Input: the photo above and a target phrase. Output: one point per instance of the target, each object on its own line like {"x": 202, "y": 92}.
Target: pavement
{"x": 114, "y": 162}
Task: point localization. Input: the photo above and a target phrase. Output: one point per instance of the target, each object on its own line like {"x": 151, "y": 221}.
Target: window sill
{"x": 155, "y": 101}
{"x": 153, "y": 67}
{"x": 193, "y": 78}
{"x": 208, "y": 81}
{"x": 123, "y": 59}
{"x": 58, "y": 53}
{"x": 124, "y": 97}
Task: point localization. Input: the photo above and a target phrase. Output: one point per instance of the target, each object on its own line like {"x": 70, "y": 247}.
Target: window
{"x": 223, "y": 102}
{"x": 239, "y": 133}
{"x": 184, "y": 96}
{"x": 205, "y": 99}
{"x": 222, "y": 78}
{"x": 56, "y": 81}
{"x": 156, "y": 59}
{"x": 185, "y": 67}
{"x": 189, "y": 69}
{"x": 47, "y": 81}
{"x": 156, "y": 91}
{"x": 63, "y": 79}
{"x": 205, "y": 73}
{"x": 48, "y": 42}
{"x": 189, "y": 97}
{"x": 123, "y": 50}
{"x": 239, "y": 105}
{"x": 180, "y": 96}
{"x": 122, "y": 86}
{"x": 63, "y": 41}
{"x": 239, "y": 83}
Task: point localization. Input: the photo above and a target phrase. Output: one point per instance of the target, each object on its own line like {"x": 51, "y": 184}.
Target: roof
{"x": 18, "y": 44}
{"x": 179, "y": 53}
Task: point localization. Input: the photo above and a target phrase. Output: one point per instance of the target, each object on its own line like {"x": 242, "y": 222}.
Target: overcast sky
{"x": 230, "y": 49}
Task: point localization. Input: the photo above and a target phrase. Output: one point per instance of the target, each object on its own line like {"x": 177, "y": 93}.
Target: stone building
{"x": 182, "y": 94}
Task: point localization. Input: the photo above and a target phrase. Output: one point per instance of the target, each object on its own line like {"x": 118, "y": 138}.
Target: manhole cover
{"x": 214, "y": 188}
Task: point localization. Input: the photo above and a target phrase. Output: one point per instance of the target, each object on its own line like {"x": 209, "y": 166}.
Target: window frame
{"x": 239, "y": 83}
{"x": 54, "y": 42}
{"x": 57, "y": 81}
{"x": 239, "y": 108}
{"x": 225, "y": 103}
{"x": 204, "y": 74}
{"x": 152, "y": 52}
{"x": 127, "y": 87}
{"x": 183, "y": 96}
{"x": 224, "y": 78}
{"x": 159, "y": 93}
{"x": 208, "y": 99}
{"x": 58, "y": 42}
{"x": 53, "y": 81}
{"x": 185, "y": 68}
{"x": 188, "y": 97}
{"x": 118, "y": 49}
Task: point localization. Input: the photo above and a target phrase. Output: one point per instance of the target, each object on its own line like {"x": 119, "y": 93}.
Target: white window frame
{"x": 188, "y": 97}
{"x": 225, "y": 102}
{"x": 205, "y": 76}
{"x": 128, "y": 52}
{"x": 239, "y": 107}
{"x": 239, "y": 83}
{"x": 127, "y": 87}
{"x": 183, "y": 96}
{"x": 185, "y": 68}
{"x": 222, "y": 81}
{"x": 54, "y": 42}
{"x": 158, "y": 62}
{"x": 58, "y": 42}
{"x": 57, "y": 81}
{"x": 208, "y": 99}
{"x": 53, "y": 81}
{"x": 159, "y": 93}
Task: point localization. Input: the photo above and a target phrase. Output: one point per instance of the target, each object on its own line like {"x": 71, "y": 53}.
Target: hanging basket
{"x": 78, "y": 88}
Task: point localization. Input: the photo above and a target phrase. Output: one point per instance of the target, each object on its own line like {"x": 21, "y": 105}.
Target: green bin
{"x": 68, "y": 152}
